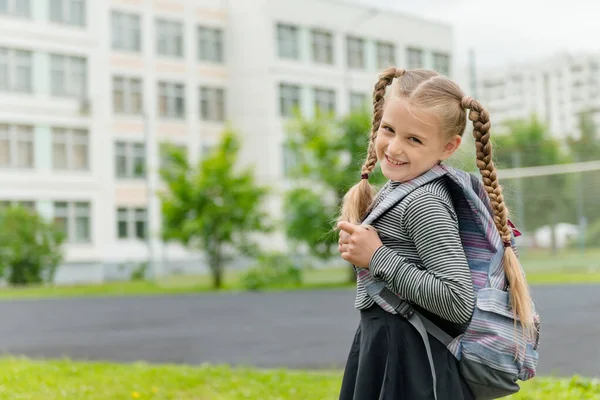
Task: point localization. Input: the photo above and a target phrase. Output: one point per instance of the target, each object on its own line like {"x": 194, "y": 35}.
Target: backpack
{"x": 490, "y": 352}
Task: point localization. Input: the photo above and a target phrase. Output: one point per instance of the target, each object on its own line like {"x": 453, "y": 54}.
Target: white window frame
{"x": 132, "y": 152}
{"x": 126, "y": 31}
{"x": 322, "y": 47}
{"x": 14, "y": 134}
{"x": 131, "y": 216}
{"x": 13, "y": 11}
{"x": 290, "y": 97}
{"x": 357, "y": 101}
{"x": 386, "y": 55}
{"x": 415, "y": 58}
{"x": 64, "y": 12}
{"x": 441, "y": 63}
{"x": 68, "y": 67}
{"x": 72, "y": 211}
{"x": 169, "y": 38}
{"x": 210, "y": 44}
{"x": 355, "y": 52}
{"x": 288, "y": 41}
{"x": 13, "y": 62}
{"x": 174, "y": 94}
{"x": 70, "y": 138}
{"x": 129, "y": 87}
{"x": 212, "y": 103}
{"x": 325, "y": 100}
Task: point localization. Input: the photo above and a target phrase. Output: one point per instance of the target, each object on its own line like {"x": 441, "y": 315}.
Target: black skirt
{"x": 388, "y": 361}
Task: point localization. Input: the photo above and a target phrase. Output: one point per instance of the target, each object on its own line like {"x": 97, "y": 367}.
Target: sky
{"x": 507, "y": 31}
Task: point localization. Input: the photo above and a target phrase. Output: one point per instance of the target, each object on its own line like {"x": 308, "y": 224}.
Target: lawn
{"x": 570, "y": 266}
{"x": 51, "y": 380}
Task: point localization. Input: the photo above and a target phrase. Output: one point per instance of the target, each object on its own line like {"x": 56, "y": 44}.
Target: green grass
{"x": 52, "y": 380}
{"x": 568, "y": 267}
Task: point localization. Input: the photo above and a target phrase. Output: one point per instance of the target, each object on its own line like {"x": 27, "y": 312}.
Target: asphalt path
{"x": 303, "y": 329}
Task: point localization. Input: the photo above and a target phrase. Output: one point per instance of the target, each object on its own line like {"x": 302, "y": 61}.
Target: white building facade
{"x": 89, "y": 89}
{"x": 557, "y": 89}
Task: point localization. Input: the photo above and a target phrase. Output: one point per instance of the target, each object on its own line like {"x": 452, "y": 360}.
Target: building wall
{"x": 250, "y": 75}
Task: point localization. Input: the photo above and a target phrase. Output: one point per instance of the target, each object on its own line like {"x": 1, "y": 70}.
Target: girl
{"x": 415, "y": 246}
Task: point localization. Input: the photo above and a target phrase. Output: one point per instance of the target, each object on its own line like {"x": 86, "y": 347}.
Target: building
{"x": 89, "y": 89}
{"x": 557, "y": 89}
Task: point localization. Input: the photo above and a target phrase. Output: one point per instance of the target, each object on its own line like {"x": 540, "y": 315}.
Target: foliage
{"x": 212, "y": 206}
{"x": 30, "y": 247}
{"x": 272, "y": 270}
{"x": 545, "y": 200}
{"x": 327, "y": 155}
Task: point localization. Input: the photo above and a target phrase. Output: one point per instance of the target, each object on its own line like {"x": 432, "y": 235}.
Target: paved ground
{"x": 298, "y": 329}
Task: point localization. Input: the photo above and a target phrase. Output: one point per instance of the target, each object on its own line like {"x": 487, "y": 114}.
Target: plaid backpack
{"x": 490, "y": 352}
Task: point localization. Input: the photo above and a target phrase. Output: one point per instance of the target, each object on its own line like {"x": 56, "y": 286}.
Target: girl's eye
{"x": 387, "y": 128}
{"x": 414, "y": 139}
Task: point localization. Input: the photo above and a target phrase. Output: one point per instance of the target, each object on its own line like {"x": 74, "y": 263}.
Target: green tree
{"x": 212, "y": 207}
{"x": 586, "y": 147}
{"x": 30, "y": 247}
{"x": 545, "y": 200}
{"x": 326, "y": 156}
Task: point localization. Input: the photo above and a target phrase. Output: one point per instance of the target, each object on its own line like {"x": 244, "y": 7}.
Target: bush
{"x": 139, "y": 272}
{"x": 272, "y": 270}
{"x": 30, "y": 247}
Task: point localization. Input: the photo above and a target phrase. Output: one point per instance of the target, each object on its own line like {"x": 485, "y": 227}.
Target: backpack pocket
{"x": 492, "y": 338}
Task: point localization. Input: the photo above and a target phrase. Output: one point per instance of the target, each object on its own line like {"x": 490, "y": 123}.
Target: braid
{"x": 359, "y": 198}
{"x": 519, "y": 292}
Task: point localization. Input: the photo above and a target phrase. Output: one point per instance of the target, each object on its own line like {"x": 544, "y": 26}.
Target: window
{"x": 212, "y": 103}
{"x": 325, "y": 100}
{"x": 210, "y": 44}
{"x": 441, "y": 63}
{"x": 288, "y": 42}
{"x": 356, "y": 52}
{"x": 16, "y": 70}
{"x": 130, "y": 160}
{"x": 386, "y": 55}
{"x": 16, "y": 146}
{"x": 68, "y": 76}
{"x": 27, "y": 204}
{"x": 70, "y": 149}
{"x": 171, "y": 100}
{"x": 132, "y": 223}
{"x": 415, "y": 58}
{"x": 169, "y": 38}
{"x": 16, "y": 8}
{"x": 289, "y": 99}
{"x": 71, "y": 12}
{"x": 358, "y": 101}
{"x": 126, "y": 31}
{"x": 322, "y": 46}
{"x": 127, "y": 95}
{"x": 74, "y": 220}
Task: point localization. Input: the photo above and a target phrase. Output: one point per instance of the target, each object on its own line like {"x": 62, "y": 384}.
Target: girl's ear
{"x": 451, "y": 147}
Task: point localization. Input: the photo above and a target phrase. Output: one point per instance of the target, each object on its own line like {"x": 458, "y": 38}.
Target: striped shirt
{"x": 422, "y": 258}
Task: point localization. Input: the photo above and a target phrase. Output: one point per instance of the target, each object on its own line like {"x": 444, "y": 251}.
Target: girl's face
{"x": 407, "y": 146}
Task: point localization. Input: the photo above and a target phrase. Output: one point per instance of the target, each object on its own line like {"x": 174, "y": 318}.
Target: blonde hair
{"x": 428, "y": 91}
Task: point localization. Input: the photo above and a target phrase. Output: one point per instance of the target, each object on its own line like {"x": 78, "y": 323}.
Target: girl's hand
{"x": 358, "y": 243}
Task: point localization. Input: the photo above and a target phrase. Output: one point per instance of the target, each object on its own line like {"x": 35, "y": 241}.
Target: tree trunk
{"x": 216, "y": 268}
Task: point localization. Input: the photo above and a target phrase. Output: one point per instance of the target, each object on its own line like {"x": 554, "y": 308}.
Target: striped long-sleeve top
{"x": 422, "y": 258}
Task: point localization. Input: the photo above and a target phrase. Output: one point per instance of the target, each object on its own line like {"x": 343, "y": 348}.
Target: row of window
{"x": 69, "y": 12}
{"x": 70, "y": 148}
{"x": 290, "y": 96}
{"x": 127, "y": 35}
{"x": 68, "y": 74}
{"x": 70, "y": 151}
{"x": 128, "y": 99}
{"x": 74, "y": 219}
{"x": 322, "y": 50}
